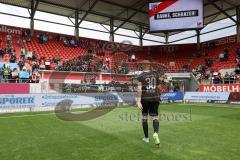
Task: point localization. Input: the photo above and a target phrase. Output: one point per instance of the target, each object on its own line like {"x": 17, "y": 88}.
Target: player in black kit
{"x": 148, "y": 99}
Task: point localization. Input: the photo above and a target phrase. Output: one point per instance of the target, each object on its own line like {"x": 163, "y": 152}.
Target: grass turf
{"x": 187, "y": 132}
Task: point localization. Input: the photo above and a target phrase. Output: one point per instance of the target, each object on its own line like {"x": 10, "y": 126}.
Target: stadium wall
{"x": 11, "y": 88}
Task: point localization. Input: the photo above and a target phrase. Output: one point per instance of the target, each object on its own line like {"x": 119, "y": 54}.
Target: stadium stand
{"x": 51, "y": 51}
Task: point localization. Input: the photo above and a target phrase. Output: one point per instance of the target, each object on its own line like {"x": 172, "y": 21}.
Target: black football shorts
{"x": 150, "y": 108}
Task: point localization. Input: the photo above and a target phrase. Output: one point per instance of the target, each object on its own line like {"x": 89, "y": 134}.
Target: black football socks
{"x": 145, "y": 127}
{"x": 156, "y": 126}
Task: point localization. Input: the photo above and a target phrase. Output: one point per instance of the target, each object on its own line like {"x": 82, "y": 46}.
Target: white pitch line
{"x": 41, "y": 114}
{"x": 22, "y": 116}
{"x": 205, "y": 105}
{"x": 211, "y": 105}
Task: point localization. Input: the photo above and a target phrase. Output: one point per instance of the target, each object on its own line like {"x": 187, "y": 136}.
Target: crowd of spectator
{"x": 95, "y": 60}
{"x": 85, "y": 63}
{"x": 217, "y": 77}
{"x": 203, "y": 71}
{"x": 26, "y": 70}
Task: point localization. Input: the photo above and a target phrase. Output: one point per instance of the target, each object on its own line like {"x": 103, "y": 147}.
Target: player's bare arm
{"x": 139, "y": 95}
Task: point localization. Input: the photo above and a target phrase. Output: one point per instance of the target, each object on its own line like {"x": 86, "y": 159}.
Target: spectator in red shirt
{"x": 52, "y": 66}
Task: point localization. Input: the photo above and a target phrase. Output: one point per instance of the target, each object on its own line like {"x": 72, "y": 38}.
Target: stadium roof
{"x": 127, "y": 14}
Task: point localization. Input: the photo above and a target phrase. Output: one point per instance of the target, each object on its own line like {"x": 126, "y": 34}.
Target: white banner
{"x": 217, "y": 96}
{"x": 51, "y": 100}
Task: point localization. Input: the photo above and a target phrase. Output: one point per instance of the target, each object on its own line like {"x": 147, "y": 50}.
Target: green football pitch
{"x": 187, "y": 132}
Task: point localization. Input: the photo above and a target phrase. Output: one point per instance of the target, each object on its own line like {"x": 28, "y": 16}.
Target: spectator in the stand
{"x": 201, "y": 68}
{"x": 186, "y": 68}
{"x": 226, "y": 75}
{"x": 47, "y": 64}
{"x": 226, "y": 54}
{"x": 108, "y": 60}
{"x": 42, "y": 65}
{"x": 6, "y": 72}
{"x": 27, "y": 34}
{"x": 35, "y": 77}
{"x": 208, "y": 62}
{"x": 237, "y": 71}
{"x": 217, "y": 79}
{"x": 106, "y": 68}
{"x": 52, "y": 66}
{"x": 59, "y": 66}
{"x": 238, "y": 52}
{"x": 23, "y": 53}
{"x": 24, "y": 75}
{"x": 237, "y": 79}
{"x": 1, "y": 74}
{"x": 10, "y": 50}
{"x": 90, "y": 52}
{"x": 14, "y": 76}
{"x": 34, "y": 56}
{"x": 101, "y": 44}
{"x": 20, "y": 42}
{"x": 35, "y": 66}
{"x": 13, "y": 58}
{"x": 21, "y": 63}
{"x": 221, "y": 57}
{"x": 73, "y": 43}
{"x": 27, "y": 65}
{"x": 43, "y": 38}
{"x": 2, "y": 52}
{"x": 29, "y": 55}
{"x": 66, "y": 42}
{"x": 1, "y": 43}
{"x": 238, "y": 59}
{"x": 133, "y": 58}
{"x": 226, "y": 78}
{"x": 9, "y": 39}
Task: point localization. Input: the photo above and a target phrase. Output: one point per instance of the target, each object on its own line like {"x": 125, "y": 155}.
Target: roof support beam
{"x": 238, "y": 24}
{"x": 126, "y": 9}
{"x": 123, "y": 6}
{"x": 95, "y": 13}
{"x": 111, "y": 37}
{"x": 87, "y": 12}
{"x": 130, "y": 17}
{"x": 34, "y": 6}
{"x": 107, "y": 15}
{"x": 199, "y": 48}
{"x": 141, "y": 36}
{"x": 105, "y": 28}
{"x": 73, "y": 26}
{"x": 202, "y": 33}
{"x": 146, "y": 32}
{"x": 166, "y": 38}
{"x": 222, "y": 11}
{"x": 211, "y": 15}
{"x": 76, "y": 24}
{"x": 229, "y": 3}
{"x": 132, "y": 8}
{"x": 71, "y": 20}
